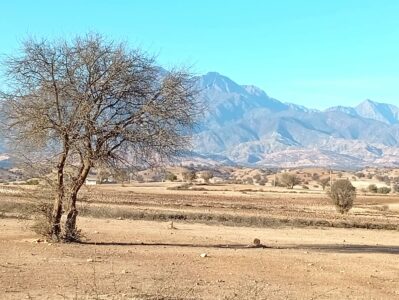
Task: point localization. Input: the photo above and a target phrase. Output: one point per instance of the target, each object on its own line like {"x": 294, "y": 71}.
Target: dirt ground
{"x": 126, "y": 259}
{"x": 129, "y": 257}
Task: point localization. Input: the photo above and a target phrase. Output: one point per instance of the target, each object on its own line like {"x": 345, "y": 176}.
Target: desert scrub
{"x": 342, "y": 193}
{"x": 384, "y": 190}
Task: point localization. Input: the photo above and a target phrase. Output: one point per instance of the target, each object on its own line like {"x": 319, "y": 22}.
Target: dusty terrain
{"x": 129, "y": 257}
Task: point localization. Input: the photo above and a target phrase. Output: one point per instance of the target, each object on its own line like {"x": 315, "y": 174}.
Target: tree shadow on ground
{"x": 348, "y": 248}
{"x": 337, "y": 248}
{"x": 219, "y": 246}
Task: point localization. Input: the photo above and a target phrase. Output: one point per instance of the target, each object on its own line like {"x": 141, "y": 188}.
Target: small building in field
{"x": 216, "y": 180}
{"x": 91, "y": 180}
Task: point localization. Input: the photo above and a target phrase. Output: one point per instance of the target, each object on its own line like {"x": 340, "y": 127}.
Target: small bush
{"x": 249, "y": 180}
{"x": 31, "y": 182}
{"x": 372, "y": 188}
{"x": 42, "y": 218}
{"x": 170, "y": 176}
{"x": 189, "y": 176}
{"x": 305, "y": 187}
{"x": 342, "y": 193}
{"x": 140, "y": 178}
{"x": 324, "y": 182}
{"x": 315, "y": 177}
{"x": 257, "y": 177}
{"x": 184, "y": 186}
{"x": 289, "y": 180}
{"x": 383, "y": 190}
{"x": 207, "y": 175}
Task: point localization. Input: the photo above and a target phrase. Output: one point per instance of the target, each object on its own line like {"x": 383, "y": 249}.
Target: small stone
{"x": 256, "y": 242}
{"x": 89, "y": 260}
{"x": 204, "y": 255}
{"x": 96, "y": 232}
{"x": 124, "y": 272}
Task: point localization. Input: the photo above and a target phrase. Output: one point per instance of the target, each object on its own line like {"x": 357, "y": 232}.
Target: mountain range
{"x": 243, "y": 125}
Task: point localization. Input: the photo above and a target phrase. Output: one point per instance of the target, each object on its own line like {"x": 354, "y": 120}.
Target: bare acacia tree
{"x": 289, "y": 180}
{"x": 206, "y": 175}
{"x": 75, "y": 104}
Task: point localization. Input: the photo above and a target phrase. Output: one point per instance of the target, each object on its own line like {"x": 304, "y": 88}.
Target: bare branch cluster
{"x": 75, "y": 104}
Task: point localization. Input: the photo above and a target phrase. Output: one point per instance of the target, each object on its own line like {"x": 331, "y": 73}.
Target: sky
{"x": 314, "y": 53}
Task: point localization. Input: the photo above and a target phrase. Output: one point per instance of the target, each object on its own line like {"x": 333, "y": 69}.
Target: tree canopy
{"x": 74, "y": 104}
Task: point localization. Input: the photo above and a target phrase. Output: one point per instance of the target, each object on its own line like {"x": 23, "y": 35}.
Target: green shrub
{"x": 360, "y": 175}
{"x": 170, "y": 176}
{"x": 372, "y": 188}
{"x": 32, "y": 182}
{"x": 342, "y": 193}
{"x": 383, "y": 190}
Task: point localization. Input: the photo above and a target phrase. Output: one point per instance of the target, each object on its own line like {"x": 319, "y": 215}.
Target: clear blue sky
{"x": 315, "y": 53}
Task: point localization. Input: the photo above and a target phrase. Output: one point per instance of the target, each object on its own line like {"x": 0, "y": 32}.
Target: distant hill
{"x": 246, "y": 126}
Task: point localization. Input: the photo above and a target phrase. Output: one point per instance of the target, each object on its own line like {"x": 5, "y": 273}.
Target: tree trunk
{"x": 70, "y": 223}
{"x": 56, "y": 215}
{"x": 55, "y": 221}
{"x": 71, "y": 233}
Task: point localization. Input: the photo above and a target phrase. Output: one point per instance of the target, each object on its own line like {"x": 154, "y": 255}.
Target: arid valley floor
{"x": 132, "y": 251}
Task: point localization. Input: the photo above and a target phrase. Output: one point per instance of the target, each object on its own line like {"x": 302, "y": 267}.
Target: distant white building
{"x": 216, "y": 180}
{"x": 91, "y": 181}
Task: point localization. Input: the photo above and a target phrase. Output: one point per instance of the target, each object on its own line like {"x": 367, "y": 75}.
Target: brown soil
{"x": 137, "y": 259}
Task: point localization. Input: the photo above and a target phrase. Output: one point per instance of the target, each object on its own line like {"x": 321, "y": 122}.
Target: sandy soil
{"x": 125, "y": 259}
{"x": 137, "y": 259}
